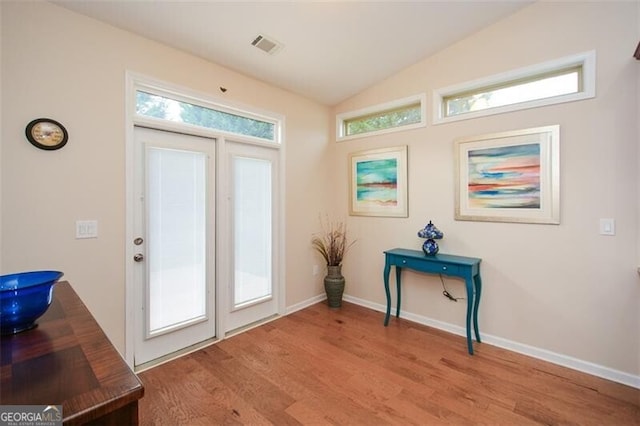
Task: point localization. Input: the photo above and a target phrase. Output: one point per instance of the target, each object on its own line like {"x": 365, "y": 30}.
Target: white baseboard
{"x": 543, "y": 354}
{"x": 305, "y": 303}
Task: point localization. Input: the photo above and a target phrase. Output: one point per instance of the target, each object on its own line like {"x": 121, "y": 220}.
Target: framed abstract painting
{"x": 379, "y": 182}
{"x": 509, "y": 176}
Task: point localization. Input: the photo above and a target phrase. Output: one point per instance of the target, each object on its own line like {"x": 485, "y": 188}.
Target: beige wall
{"x": 58, "y": 64}
{"x": 1, "y": 126}
{"x": 638, "y": 122}
{"x": 565, "y": 288}
{"x": 638, "y": 153}
{"x": 562, "y": 288}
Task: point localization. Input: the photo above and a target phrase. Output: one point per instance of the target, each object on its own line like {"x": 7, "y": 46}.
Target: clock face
{"x": 46, "y": 134}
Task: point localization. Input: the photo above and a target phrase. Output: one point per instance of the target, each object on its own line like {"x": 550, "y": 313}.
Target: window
{"x": 383, "y": 120}
{"x": 563, "y": 80}
{"x": 402, "y": 114}
{"x": 165, "y": 108}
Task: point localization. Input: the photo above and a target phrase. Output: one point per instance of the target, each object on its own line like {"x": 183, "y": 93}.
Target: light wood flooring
{"x": 342, "y": 367}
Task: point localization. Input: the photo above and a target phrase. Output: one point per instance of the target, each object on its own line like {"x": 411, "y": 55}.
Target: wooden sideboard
{"x": 67, "y": 360}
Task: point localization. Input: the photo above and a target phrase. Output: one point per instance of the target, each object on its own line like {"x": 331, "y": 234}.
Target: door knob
{"x": 138, "y": 241}
{"x": 138, "y": 257}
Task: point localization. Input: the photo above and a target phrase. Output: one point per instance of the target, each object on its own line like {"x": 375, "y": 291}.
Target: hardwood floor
{"x": 322, "y": 366}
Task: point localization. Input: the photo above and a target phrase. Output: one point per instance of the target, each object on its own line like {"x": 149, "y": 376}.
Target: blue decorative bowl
{"x": 24, "y": 297}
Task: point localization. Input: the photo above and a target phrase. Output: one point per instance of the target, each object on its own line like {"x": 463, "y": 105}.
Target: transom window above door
{"x": 222, "y": 119}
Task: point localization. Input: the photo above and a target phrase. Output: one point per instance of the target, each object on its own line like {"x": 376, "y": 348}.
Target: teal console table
{"x": 467, "y": 268}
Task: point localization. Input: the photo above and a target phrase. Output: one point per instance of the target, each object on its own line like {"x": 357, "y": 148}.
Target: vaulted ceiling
{"x": 329, "y": 50}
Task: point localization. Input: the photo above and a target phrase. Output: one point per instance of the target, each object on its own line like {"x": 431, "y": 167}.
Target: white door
{"x": 174, "y": 245}
{"x": 253, "y": 227}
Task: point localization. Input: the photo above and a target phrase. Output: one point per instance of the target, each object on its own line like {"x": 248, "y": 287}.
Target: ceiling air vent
{"x": 266, "y": 44}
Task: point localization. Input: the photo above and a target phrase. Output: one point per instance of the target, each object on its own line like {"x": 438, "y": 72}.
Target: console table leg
{"x": 478, "y": 287}
{"x": 398, "y": 273}
{"x": 387, "y": 269}
{"x": 469, "y": 286}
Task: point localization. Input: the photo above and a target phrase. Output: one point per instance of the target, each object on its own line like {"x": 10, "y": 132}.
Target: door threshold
{"x": 174, "y": 355}
{"x": 252, "y": 325}
{"x": 190, "y": 349}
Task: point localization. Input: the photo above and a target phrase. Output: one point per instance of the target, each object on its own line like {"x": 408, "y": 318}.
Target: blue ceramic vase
{"x": 430, "y": 247}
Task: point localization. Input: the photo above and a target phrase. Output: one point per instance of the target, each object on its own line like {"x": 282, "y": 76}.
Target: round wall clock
{"x": 46, "y": 133}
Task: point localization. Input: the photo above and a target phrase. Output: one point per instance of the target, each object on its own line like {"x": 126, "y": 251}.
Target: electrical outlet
{"x": 86, "y": 229}
{"x": 316, "y": 270}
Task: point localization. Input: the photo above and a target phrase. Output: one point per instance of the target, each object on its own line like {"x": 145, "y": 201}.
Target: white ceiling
{"x": 332, "y": 50}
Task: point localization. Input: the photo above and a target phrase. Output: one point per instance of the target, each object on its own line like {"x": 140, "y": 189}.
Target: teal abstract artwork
{"x": 377, "y": 182}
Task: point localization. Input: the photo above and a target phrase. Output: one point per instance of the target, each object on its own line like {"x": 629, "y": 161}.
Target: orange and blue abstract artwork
{"x": 377, "y": 182}
{"x": 504, "y": 177}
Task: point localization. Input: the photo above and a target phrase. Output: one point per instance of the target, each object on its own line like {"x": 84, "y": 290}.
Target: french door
{"x": 174, "y": 228}
{"x": 252, "y": 257}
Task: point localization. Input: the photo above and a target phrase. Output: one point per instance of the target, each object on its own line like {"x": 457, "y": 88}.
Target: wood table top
{"x": 66, "y": 360}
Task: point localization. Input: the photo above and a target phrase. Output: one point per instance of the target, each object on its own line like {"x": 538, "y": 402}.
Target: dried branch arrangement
{"x": 332, "y": 243}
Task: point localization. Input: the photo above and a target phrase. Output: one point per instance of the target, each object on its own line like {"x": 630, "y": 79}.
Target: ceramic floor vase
{"x": 334, "y": 286}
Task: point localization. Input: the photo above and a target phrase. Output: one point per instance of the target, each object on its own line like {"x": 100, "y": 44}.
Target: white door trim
{"x": 133, "y": 79}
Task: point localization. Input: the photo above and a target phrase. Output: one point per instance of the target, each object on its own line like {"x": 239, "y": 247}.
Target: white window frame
{"x": 168, "y": 90}
{"x": 396, "y": 104}
{"x": 586, "y": 61}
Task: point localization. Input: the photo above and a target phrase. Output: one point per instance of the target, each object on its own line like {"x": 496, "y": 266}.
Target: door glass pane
{"x": 176, "y": 200}
{"x": 252, "y": 233}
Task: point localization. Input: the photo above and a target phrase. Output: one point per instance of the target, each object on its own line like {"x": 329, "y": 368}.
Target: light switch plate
{"x": 86, "y": 229}
{"x": 607, "y": 227}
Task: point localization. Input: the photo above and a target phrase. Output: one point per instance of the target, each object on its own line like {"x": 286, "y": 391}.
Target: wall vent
{"x": 266, "y": 44}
